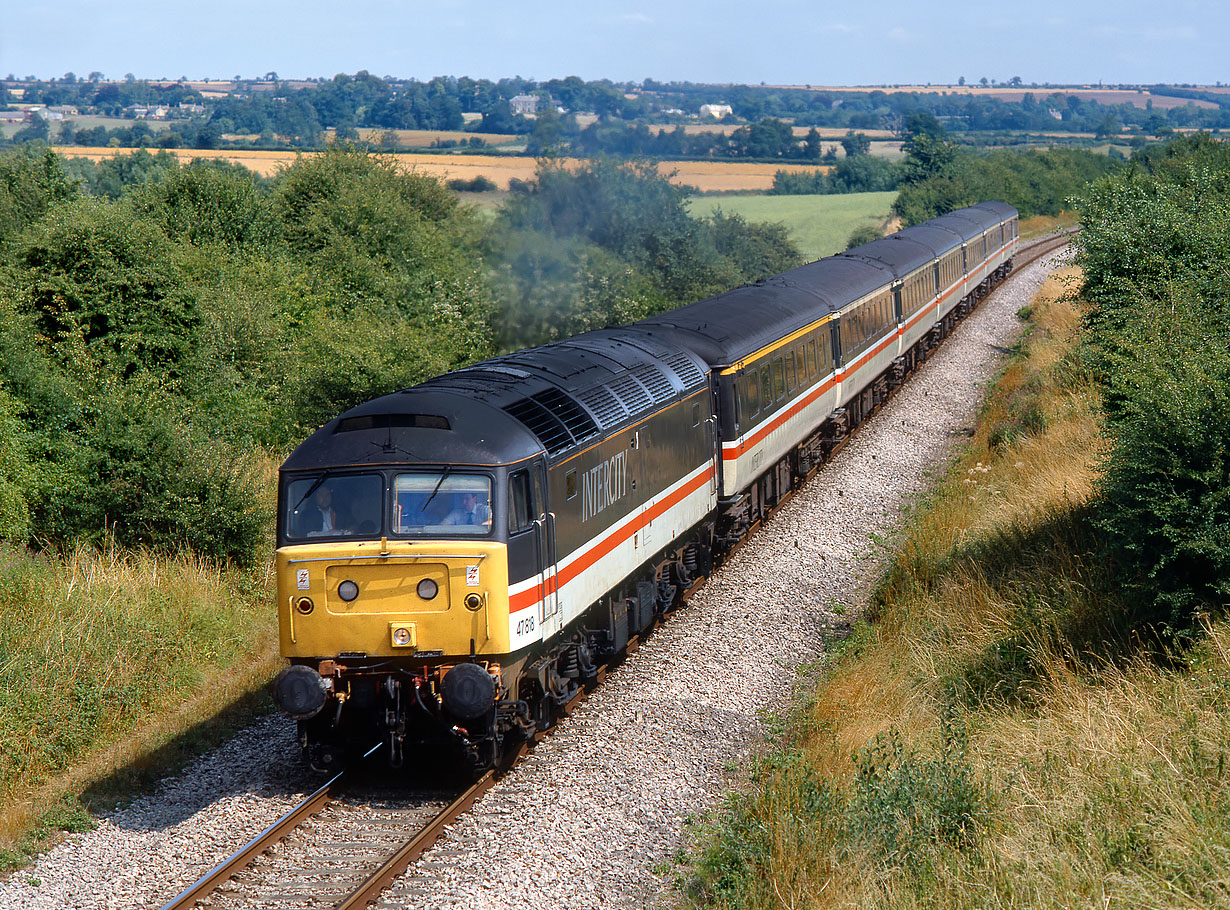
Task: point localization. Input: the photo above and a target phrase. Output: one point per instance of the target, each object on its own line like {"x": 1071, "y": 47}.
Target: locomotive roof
{"x": 419, "y": 426}
{"x": 553, "y": 397}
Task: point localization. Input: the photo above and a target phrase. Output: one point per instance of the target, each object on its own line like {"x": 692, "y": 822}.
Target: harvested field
{"x": 706, "y": 176}
{"x": 425, "y": 138}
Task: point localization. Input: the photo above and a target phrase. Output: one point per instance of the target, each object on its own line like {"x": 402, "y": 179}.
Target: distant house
{"x": 188, "y": 107}
{"x": 14, "y": 116}
{"x": 524, "y": 104}
{"x": 716, "y": 111}
{"x": 146, "y": 112}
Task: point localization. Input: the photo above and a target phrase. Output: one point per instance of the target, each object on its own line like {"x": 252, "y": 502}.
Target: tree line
{"x": 298, "y": 114}
{"x": 167, "y": 331}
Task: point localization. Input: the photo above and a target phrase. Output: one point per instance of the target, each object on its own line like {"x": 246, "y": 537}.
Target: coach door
{"x": 548, "y": 580}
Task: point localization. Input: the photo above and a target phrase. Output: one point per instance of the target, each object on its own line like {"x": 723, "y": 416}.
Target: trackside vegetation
{"x": 1034, "y": 711}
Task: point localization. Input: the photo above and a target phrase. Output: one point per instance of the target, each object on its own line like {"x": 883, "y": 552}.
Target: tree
{"x": 856, "y": 144}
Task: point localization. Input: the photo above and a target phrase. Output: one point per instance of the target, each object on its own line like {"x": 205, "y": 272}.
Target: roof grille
{"x": 685, "y": 369}
{"x": 573, "y": 416}
{"x": 549, "y": 429}
{"x": 655, "y": 380}
{"x": 631, "y": 393}
{"x": 600, "y": 400}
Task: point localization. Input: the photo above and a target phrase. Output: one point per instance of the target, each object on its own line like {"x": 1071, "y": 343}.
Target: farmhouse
{"x": 524, "y": 104}
{"x": 716, "y": 111}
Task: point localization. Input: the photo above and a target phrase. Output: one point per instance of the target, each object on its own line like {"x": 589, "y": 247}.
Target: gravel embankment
{"x": 586, "y": 818}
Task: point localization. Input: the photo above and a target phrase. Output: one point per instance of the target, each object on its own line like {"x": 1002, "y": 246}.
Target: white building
{"x": 716, "y": 111}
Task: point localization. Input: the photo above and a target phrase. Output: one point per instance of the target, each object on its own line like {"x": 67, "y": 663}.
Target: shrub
{"x": 479, "y": 184}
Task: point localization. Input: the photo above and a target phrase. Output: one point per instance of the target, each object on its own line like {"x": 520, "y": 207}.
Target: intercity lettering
{"x": 604, "y": 485}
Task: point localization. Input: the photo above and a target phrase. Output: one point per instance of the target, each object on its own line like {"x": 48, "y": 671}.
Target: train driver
{"x": 469, "y": 511}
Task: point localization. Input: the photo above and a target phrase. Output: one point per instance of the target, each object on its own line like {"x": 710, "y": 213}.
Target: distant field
{"x": 425, "y": 138}
{"x": 706, "y": 176}
{"x": 820, "y": 225}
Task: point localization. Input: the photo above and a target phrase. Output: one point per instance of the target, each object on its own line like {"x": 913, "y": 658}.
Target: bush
{"x": 479, "y": 184}
{"x": 1155, "y": 249}
{"x": 862, "y": 235}
{"x": 146, "y": 475}
{"x": 1166, "y": 488}
{"x": 204, "y": 203}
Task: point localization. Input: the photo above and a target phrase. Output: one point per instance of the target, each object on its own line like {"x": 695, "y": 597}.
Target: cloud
{"x": 899, "y": 35}
{"x": 840, "y": 28}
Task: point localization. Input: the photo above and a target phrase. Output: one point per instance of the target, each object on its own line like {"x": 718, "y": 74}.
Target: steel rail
{"x": 227, "y": 869}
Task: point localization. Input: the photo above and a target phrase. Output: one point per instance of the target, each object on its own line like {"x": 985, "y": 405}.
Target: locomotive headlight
{"x": 473, "y": 602}
{"x": 304, "y": 605}
{"x": 348, "y": 591}
{"x": 428, "y": 589}
{"x": 401, "y": 634}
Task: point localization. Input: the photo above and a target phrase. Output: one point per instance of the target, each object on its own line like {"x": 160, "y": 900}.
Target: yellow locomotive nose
{"x": 388, "y": 587}
{"x": 398, "y": 599}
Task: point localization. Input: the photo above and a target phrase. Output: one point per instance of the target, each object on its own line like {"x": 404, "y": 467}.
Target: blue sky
{"x": 772, "y": 41}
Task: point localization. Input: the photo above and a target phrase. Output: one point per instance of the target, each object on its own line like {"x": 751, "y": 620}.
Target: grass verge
{"x": 118, "y": 666}
{"x": 998, "y": 733}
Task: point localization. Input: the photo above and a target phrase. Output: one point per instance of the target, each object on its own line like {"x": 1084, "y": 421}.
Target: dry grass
{"x": 1044, "y": 758}
{"x": 1036, "y": 226}
{"x": 706, "y": 176}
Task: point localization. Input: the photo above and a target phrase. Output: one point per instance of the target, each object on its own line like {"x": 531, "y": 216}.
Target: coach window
{"x": 790, "y": 372}
{"x": 519, "y": 516}
{"x": 766, "y": 387}
{"x": 753, "y": 394}
{"x": 779, "y": 379}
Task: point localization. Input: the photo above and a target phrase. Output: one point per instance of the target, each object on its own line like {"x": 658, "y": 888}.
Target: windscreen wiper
{"x": 444, "y": 474}
{"x": 312, "y": 489}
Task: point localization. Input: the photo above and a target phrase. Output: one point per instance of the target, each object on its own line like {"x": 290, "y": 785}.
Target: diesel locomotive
{"x": 455, "y": 559}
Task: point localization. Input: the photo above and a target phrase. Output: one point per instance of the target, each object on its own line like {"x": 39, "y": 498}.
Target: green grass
{"x": 110, "y": 658}
{"x": 819, "y": 225}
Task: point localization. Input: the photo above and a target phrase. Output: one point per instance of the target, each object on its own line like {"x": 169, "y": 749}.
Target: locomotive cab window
{"x": 439, "y": 503}
{"x": 334, "y": 506}
{"x": 570, "y": 483}
{"x": 519, "y": 515}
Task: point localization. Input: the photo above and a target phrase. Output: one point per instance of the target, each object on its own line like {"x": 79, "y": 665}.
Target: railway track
{"x": 364, "y": 843}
